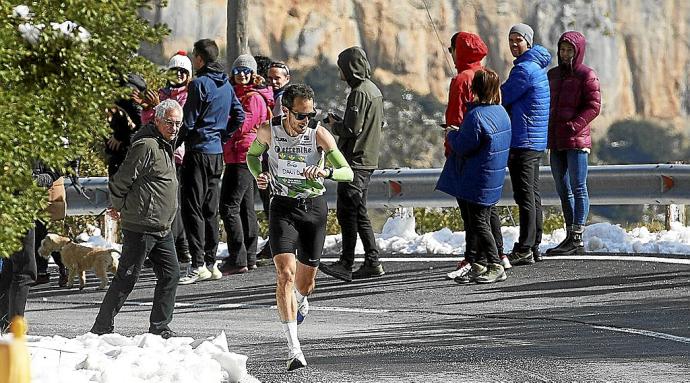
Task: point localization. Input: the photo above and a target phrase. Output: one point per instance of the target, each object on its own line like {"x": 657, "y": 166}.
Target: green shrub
{"x": 59, "y": 85}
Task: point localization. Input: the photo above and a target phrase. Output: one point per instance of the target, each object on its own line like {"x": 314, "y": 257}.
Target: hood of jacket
{"x": 354, "y": 65}
{"x": 537, "y": 54}
{"x": 578, "y": 40}
{"x": 470, "y": 49}
{"x": 215, "y": 72}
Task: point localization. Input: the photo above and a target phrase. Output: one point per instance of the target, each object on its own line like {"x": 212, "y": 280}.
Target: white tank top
{"x": 287, "y": 158}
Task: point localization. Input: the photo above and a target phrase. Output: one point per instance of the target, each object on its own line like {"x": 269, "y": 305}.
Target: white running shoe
{"x": 505, "y": 262}
{"x": 302, "y": 310}
{"x": 296, "y": 362}
{"x": 195, "y": 275}
{"x": 463, "y": 268}
{"x": 216, "y": 274}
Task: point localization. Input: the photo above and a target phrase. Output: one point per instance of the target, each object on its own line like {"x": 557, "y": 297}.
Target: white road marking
{"x": 678, "y": 261}
{"x": 652, "y": 334}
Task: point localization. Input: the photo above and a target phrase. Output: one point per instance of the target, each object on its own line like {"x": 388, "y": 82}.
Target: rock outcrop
{"x": 638, "y": 47}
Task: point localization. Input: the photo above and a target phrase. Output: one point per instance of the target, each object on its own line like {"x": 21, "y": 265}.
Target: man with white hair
{"x": 143, "y": 193}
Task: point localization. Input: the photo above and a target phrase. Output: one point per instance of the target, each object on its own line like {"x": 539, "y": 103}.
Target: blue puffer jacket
{"x": 476, "y": 168}
{"x": 526, "y": 96}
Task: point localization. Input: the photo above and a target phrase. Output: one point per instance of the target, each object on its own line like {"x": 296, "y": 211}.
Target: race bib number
{"x": 291, "y": 169}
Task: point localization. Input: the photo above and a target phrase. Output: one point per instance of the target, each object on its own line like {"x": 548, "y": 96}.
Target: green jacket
{"x": 144, "y": 190}
{"x": 359, "y": 133}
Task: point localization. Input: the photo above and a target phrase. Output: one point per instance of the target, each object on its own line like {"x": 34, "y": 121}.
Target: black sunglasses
{"x": 238, "y": 70}
{"x": 302, "y": 116}
{"x": 281, "y": 66}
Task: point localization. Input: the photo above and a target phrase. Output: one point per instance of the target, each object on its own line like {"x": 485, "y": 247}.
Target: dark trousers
{"x": 135, "y": 248}
{"x": 495, "y": 221}
{"x": 354, "y": 219}
{"x": 200, "y": 196}
{"x": 18, "y": 273}
{"x": 178, "y": 232}
{"x": 524, "y": 176}
{"x": 42, "y": 263}
{"x": 238, "y": 214}
{"x": 479, "y": 238}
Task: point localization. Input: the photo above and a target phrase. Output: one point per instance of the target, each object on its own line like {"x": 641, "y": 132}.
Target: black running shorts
{"x": 298, "y": 223}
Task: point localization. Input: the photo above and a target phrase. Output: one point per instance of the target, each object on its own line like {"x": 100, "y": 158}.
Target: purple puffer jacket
{"x": 575, "y": 98}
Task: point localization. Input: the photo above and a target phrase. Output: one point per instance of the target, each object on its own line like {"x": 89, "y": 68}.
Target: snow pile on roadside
{"x": 114, "y": 358}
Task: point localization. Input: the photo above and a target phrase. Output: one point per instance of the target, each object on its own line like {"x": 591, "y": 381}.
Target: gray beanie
{"x": 523, "y": 30}
{"x": 246, "y": 61}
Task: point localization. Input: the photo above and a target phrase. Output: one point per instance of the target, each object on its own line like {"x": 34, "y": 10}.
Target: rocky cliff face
{"x": 638, "y": 47}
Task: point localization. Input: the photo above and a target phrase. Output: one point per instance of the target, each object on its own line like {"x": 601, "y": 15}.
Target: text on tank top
{"x": 287, "y": 158}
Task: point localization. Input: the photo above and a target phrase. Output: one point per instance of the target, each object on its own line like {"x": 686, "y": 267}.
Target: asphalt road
{"x": 558, "y": 321}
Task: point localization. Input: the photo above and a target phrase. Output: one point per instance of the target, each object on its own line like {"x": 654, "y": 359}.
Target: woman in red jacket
{"x": 575, "y": 102}
{"x": 237, "y": 189}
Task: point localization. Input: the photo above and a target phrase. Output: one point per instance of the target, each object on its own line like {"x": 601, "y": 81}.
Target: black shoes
{"x": 367, "y": 270}
{"x": 100, "y": 331}
{"x": 518, "y": 258}
{"x": 41, "y": 279}
{"x": 337, "y": 270}
{"x": 536, "y": 254}
{"x": 165, "y": 333}
{"x": 184, "y": 256}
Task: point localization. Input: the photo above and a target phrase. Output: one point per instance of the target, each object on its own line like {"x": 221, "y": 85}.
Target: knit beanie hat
{"x": 246, "y": 61}
{"x": 180, "y": 60}
{"x": 523, "y": 30}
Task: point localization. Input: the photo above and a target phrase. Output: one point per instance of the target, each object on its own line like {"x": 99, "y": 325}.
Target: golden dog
{"x": 78, "y": 258}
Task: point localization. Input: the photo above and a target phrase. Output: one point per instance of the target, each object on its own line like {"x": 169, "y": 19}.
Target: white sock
{"x": 299, "y": 296}
{"x": 290, "y": 331}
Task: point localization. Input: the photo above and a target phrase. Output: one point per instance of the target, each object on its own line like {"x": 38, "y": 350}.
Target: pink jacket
{"x": 257, "y": 102}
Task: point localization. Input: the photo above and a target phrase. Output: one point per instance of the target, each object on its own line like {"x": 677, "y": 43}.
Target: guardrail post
{"x": 674, "y": 213}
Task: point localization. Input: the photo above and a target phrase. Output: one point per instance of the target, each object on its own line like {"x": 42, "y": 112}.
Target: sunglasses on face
{"x": 243, "y": 70}
{"x": 281, "y": 66}
{"x": 169, "y": 122}
{"x": 180, "y": 71}
{"x": 302, "y": 116}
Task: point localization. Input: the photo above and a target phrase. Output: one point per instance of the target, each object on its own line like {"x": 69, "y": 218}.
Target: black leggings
{"x": 18, "y": 272}
{"x": 298, "y": 222}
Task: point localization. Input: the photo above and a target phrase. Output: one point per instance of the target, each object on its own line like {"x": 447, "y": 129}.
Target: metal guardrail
{"x": 661, "y": 184}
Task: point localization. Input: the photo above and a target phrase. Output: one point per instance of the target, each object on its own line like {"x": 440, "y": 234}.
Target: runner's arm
{"x": 258, "y": 147}
{"x": 341, "y": 170}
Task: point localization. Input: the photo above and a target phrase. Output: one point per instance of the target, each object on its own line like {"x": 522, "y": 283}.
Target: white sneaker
{"x": 505, "y": 262}
{"x": 302, "y": 310}
{"x": 296, "y": 362}
{"x": 216, "y": 274}
{"x": 464, "y": 267}
{"x": 195, "y": 275}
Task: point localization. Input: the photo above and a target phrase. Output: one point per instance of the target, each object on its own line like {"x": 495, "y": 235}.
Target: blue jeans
{"x": 569, "y": 170}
